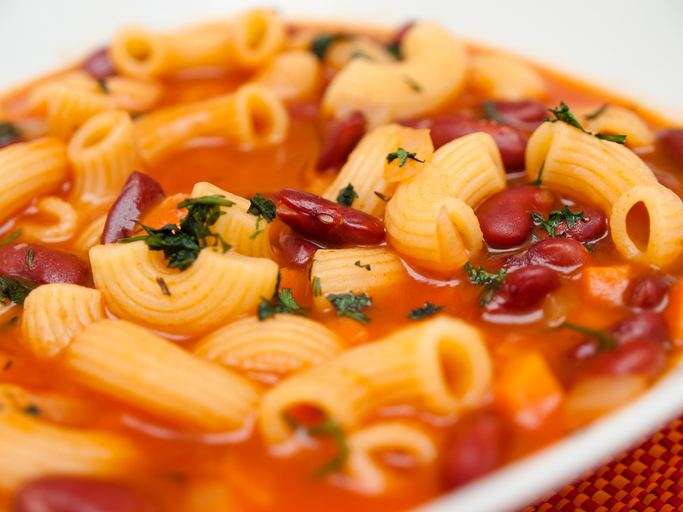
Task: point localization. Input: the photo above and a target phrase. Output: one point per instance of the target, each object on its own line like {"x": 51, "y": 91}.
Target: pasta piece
{"x": 337, "y": 272}
{"x": 91, "y": 235}
{"x": 131, "y": 364}
{"x": 282, "y": 345}
{"x": 431, "y": 72}
{"x": 69, "y": 107}
{"x": 40, "y": 95}
{"x": 341, "y": 52}
{"x": 430, "y": 220}
{"x": 366, "y": 475}
{"x": 251, "y": 116}
{"x": 507, "y": 78}
{"x": 134, "y": 95}
{"x": 102, "y": 153}
{"x": 441, "y": 366}
{"x": 215, "y": 289}
{"x": 292, "y": 76}
{"x": 368, "y": 170}
{"x": 618, "y": 120}
{"x": 257, "y": 36}
{"x": 28, "y": 170}
{"x": 63, "y": 225}
{"x": 55, "y": 313}
{"x": 52, "y": 406}
{"x": 236, "y": 226}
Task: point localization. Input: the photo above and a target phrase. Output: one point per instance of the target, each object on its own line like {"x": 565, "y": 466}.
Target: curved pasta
{"x": 55, "y": 313}
{"x": 69, "y": 107}
{"x": 619, "y": 120}
{"x": 430, "y": 220}
{"x": 282, "y": 345}
{"x": 256, "y": 36}
{"x": 366, "y": 475}
{"x": 336, "y": 271}
{"x": 441, "y": 365}
{"x": 507, "y": 78}
{"x": 341, "y": 52}
{"x": 91, "y": 235}
{"x": 251, "y": 116}
{"x": 28, "y": 170}
{"x": 292, "y": 76}
{"x": 368, "y": 170}
{"x": 431, "y": 72}
{"x": 236, "y": 226}
{"x": 216, "y": 288}
{"x": 134, "y": 95}
{"x": 63, "y": 216}
{"x": 102, "y": 153}
{"x": 131, "y": 364}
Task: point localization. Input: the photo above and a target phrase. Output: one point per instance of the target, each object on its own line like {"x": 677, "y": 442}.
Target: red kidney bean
{"x": 298, "y": 251}
{"x": 476, "y": 448}
{"x": 505, "y": 218}
{"x": 401, "y": 34}
{"x": 9, "y": 134}
{"x": 327, "y": 221}
{"x": 589, "y": 230}
{"x": 138, "y": 193}
{"x": 646, "y": 357}
{"x": 48, "y": 265}
{"x": 340, "y": 137}
{"x": 99, "y": 65}
{"x": 648, "y": 293}
{"x": 672, "y": 143}
{"x": 524, "y": 289}
{"x": 562, "y": 254}
{"x": 523, "y": 115}
{"x": 63, "y": 494}
{"x": 511, "y": 142}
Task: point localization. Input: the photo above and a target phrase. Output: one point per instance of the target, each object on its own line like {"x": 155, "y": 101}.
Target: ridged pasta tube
{"x": 29, "y": 170}
{"x": 69, "y": 107}
{"x": 91, "y": 235}
{"x": 282, "y": 345}
{"x": 216, "y": 288}
{"x": 292, "y": 76}
{"x": 337, "y": 272}
{"x": 131, "y": 364}
{"x": 432, "y": 71}
{"x": 236, "y": 226}
{"x": 440, "y": 366}
{"x": 508, "y": 78}
{"x": 368, "y": 170}
{"x": 364, "y": 473}
{"x": 430, "y": 220}
{"x": 55, "y": 313}
{"x": 63, "y": 225}
{"x": 619, "y": 120}
{"x": 251, "y": 116}
{"x": 102, "y": 153}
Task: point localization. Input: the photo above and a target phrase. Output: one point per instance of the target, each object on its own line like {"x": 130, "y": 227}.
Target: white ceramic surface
{"x": 629, "y": 46}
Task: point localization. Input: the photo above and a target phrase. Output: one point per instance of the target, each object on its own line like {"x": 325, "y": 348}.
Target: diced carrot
{"x": 528, "y": 391}
{"x": 166, "y": 212}
{"x": 606, "y": 284}
{"x": 674, "y": 314}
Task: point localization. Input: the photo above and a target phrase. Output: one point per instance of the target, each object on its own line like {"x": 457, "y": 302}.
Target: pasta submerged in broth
{"x": 257, "y": 266}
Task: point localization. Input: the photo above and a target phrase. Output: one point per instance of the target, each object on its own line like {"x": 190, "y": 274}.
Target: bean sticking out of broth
{"x": 42, "y": 265}
{"x": 340, "y": 137}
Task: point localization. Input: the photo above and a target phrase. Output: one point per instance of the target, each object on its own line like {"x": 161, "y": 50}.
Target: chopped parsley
{"x": 493, "y": 114}
{"x": 557, "y": 217}
{"x": 350, "y": 304}
{"x": 360, "y": 55}
{"x": 403, "y": 156}
{"x": 589, "y": 247}
{"x": 597, "y": 112}
{"x": 413, "y": 84}
{"x": 283, "y": 302}
{"x": 490, "y": 282}
{"x": 328, "y": 428}
{"x": 395, "y": 49}
{"x": 8, "y": 364}
{"x": 263, "y": 207}
{"x": 562, "y": 113}
{"x": 366, "y": 267}
{"x": 102, "y": 83}
{"x": 347, "y": 195}
{"x": 537, "y": 182}
{"x": 316, "y": 288}
{"x": 322, "y": 43}
{"x": 382, "y": 196}
{"x": 163, "y": 286}
{"x": 605, "y": 341}
{"x": 10, "y": 238}
{"x": 10, "y": 323}
{"x": 181, "y": 245}
{"x": 13, "y": 290}
{"x": 427, "y": 310}
{"x": 33, "y": 411}
{"x": 9, "y": 133}
{"x": 29, "y": 258}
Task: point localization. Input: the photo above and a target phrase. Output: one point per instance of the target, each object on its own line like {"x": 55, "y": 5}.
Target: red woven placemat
{"x": 648, "y": 478}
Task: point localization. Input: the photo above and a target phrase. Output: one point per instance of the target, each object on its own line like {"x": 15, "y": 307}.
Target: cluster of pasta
{"x": 118, "y": 337}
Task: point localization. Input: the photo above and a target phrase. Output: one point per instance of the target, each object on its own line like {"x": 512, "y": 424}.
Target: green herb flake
{"x": 605, "y": 341}
{"x": 316, "y": 288}
{"x": 589, "y": 247}
{"x": 321, "y": 44}
{"x": 366, "y": 267}
{"x": 347, "y": 195}
{"x": 9, "y": 134}
{"x": 163, "y": 286}
{"x": 597, "y": 113}
{"x": 382, "y": 196}
{"x": 8, "y": 364}
{"x": 395, "y": 49}
{"x": 13, "y": 290}
{"x": 33, "y": 411}
{"x": 490, "y": 282}
{"x": 282, "y": 302}
{"x": 263, "y": 207}
{"x": 427, "y": 310}
{"x": 10, "y": 238}
{"x": 562, "y": 113}
{"x": 556, "y": 217}
{"x": 493, "y": 114}
{"x": 102, "y": 83}
{"x": 29, "y": 258}
{"x": 403, "y": 156}
{"x": 258, "y": 228}
{"x": 350, "y": 305}
{"x": 619, "y": 139}
{"x": 537, "y": 182}
{"x": 412, "y": 84}
{"x": 360, "y": 55}
{"x": 11, "y": 322}
{"x": 328, "y": 428}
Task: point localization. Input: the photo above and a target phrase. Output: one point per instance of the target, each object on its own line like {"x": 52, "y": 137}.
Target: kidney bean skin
{"x": 524, "y": 115}
{"x": 524, "y": 289}
{"x": 591, "y": 229}
{"x": 341, "y": 136}
{"x": 505, "y": 218}
{"x": 298, "y": 251}
{"x": 327, "y": 221}
{"x": 48, "y": 266}
{"x": 510, "y": 141}
{"x": 475, "y": 449}
{"x": 99, "y": 65}
{"x": 138, "y": 193}
{"x": 648, "y": 293}
{"x": 672, "y": 143}
{"x": 645, "y": 357}
{"x": 61, "y": 494}
{"x": 562, "y": 254}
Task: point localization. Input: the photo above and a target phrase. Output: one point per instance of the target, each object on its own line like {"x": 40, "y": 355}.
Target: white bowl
{"x": 630, "y": 47}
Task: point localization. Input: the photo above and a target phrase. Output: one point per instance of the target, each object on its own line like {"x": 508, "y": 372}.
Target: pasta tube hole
{"x": 638, "y": 225}
{"x": 256, "y": 32}
{"x": 96, "y": 136}
{"x": 456, "y": 368}
{"x": 307, "y": 415}
{"x": 139, "y": 50}
{"x": 261, "y": 118}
